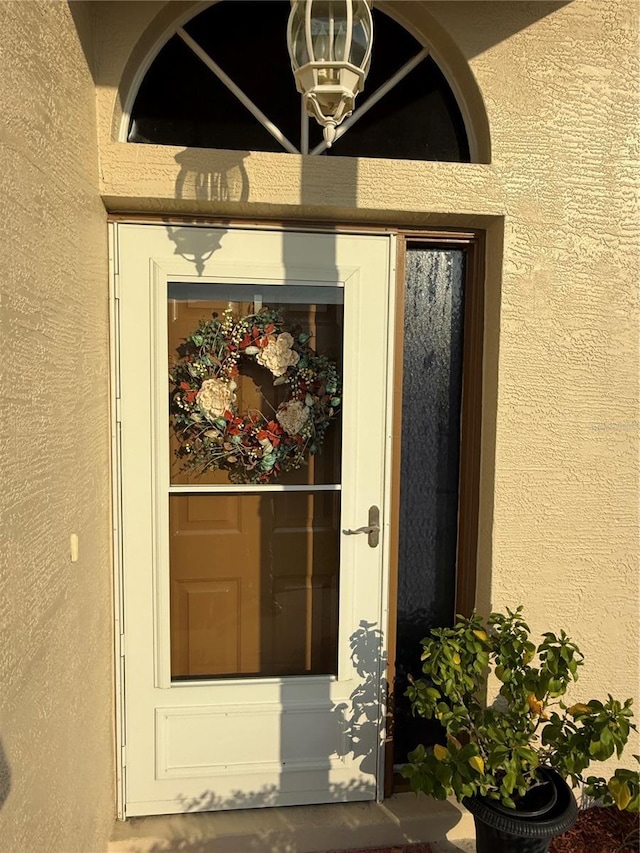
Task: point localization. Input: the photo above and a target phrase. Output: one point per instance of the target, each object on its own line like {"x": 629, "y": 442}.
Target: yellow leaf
{"x": 440, "y": 752}
{"x": 620, "y": 792}
{"x": 536, "y": 706}
{"x": 477, "y": 763}
{"x": 578, "y": 708}
{"x": 456, "y": 658}
{"x": 481, "y": 635}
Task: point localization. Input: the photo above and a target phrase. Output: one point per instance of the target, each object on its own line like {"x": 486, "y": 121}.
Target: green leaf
{"x": 529, "y": 755}
{"x": 467, "y": 752}
{"x": 483, "y": 659}
{"x": 620, "y": 792}
{"x": 599, "y": 751}
{"x": 634, "y": 805}
{"x": 606, "y": 737}
{"x": 509, "y": 782}
{"x": 443, "y": 773}
{"x": 418, "y": 754}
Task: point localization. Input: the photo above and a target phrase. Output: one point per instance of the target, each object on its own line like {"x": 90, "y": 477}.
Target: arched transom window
{"x": 224, "y": 80}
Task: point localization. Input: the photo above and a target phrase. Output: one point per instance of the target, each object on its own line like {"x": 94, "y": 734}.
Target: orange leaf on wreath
{"x": 185, "y": 386}
{"x": 270, "y": 329}
{"x": 191, "y": 396}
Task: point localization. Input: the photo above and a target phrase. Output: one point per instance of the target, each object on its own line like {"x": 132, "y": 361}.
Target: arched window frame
{"x": 465, "y": 91}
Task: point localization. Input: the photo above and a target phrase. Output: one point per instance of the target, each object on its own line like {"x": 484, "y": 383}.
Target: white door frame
{"x": 116, "y": 465}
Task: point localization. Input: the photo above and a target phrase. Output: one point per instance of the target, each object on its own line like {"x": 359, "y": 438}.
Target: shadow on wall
{"x": 492, "y": 28}
{"x": 5, "y": 777}
{"x": 207, "y": 180}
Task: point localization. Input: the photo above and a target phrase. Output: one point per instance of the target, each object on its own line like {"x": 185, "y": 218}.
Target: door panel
{"x": 243, "y": 604}
{"x": 214, "y": 596}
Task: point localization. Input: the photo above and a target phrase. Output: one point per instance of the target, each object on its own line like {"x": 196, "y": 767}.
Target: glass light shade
{"x": 329, "y": 44}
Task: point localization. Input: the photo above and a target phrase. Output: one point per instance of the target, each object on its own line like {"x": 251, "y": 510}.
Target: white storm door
{"x": 253, "y": 625}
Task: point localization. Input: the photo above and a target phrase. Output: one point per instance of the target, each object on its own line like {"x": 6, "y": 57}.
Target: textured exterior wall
{"x": 565, "y": 495}
{"x": 559, "y": 519}
{"x": 56, "y": 696}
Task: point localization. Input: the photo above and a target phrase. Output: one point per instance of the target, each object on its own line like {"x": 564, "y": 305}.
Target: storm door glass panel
{"x": 431, "y": 399}
{"x": 254, "y": 583}
{"x": 254, "y": 566}
{"x": 317, "y": 311}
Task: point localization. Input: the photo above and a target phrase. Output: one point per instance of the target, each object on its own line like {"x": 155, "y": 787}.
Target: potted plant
{"x": 508, "y": 762}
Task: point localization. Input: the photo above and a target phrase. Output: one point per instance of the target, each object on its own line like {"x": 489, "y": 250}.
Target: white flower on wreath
{"x": 215, "y": 397}
{"x": 293, "y": 416}
{"x": 277, "y": 356}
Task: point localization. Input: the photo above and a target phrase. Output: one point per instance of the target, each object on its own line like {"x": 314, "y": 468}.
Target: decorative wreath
{"x": 253, "y": 448}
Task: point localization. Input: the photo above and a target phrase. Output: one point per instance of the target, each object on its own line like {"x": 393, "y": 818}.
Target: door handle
{"x": 372, "y": 529}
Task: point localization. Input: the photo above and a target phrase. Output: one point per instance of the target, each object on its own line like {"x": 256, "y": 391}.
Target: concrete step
{"x": 402, "y": 819}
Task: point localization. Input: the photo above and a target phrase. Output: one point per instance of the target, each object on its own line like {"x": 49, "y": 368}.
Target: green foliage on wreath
{"x": 213, "y": 434}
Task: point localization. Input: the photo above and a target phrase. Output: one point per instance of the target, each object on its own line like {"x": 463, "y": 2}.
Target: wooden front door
{"x": 253, "y": 642}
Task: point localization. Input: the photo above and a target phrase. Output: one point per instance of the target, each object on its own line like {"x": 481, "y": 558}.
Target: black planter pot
{"x": 526, "y": 830}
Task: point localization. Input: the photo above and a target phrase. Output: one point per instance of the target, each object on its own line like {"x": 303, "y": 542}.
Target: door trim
{"x": 116, "y": 498}
{"x": 473, "y": 243}
{"x": 474, "y": 240}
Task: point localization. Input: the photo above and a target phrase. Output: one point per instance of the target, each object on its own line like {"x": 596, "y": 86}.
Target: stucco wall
{"x": 559, "y": 517}
{"x": 564, "y": 125}
{"x": 56, "y": 697}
